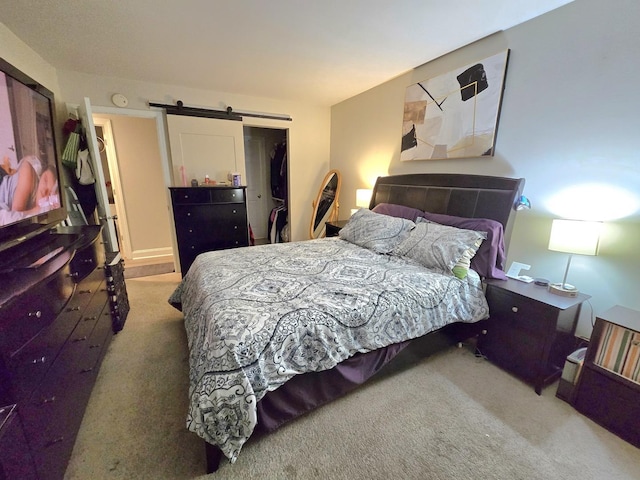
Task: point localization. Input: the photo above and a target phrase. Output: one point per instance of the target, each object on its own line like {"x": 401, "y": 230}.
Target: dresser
{"x": 55, "y": 327}
{"x": 608, "y": 388}
{"x": 530, "y": 332}
{"x": 208, "y": 218}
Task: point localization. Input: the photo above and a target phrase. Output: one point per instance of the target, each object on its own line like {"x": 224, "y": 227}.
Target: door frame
{"x": 266, "y": 204}
{"x": 114, "y": 174}
{"x": 161, "y": 133}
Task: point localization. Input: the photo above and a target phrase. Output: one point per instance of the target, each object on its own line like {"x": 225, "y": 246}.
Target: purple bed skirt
{"x": 304, "y": 393}
{"x": 307, "y": 392}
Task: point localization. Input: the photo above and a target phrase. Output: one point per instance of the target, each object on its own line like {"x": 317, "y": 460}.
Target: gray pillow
{"x": 375, "y": 231}
{"x": 439, "y": 247}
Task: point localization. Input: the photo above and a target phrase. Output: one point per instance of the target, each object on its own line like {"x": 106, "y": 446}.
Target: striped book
{"x": 631, "y": 368}
{"x": 614, "y": 346}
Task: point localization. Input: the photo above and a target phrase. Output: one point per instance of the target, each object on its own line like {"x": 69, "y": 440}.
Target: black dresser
{"x": 55, "y": 326}
{"x": 208, "y": 218}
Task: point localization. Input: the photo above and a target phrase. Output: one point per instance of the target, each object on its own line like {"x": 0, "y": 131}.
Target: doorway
{"x": 266, "y": 167}
{"x": 131, "y": 154}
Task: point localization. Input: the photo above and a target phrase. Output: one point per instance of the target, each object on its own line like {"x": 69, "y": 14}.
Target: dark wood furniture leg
{"x": 214, "y": 455}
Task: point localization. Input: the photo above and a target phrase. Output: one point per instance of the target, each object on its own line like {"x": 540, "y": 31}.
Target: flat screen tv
{"x": 31, "y": 200}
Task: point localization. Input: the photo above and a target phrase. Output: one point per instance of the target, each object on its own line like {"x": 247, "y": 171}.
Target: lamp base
{"x": 563, "y": 289}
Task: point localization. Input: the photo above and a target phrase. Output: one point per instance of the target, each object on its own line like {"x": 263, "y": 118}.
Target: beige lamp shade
{"x": 575, "y": 236}
{"x": 363, "y": 197}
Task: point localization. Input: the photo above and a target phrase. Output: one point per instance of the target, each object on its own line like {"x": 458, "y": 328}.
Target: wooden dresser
{"x": 55, "y": 327}
{"x": 208, "y": 218}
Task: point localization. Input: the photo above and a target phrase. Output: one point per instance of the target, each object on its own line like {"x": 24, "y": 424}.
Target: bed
{"x": 278, "y": 330}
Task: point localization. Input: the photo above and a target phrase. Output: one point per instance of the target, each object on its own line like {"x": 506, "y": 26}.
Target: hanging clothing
{"x": 277, "y": 222}
{"x": 279, "y": 172}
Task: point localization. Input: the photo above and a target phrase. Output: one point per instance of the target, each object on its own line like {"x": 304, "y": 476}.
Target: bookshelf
{"x": 608, "y": 389}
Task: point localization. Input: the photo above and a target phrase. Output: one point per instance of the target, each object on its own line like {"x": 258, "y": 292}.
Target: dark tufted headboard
{"x": 471, "y": 196}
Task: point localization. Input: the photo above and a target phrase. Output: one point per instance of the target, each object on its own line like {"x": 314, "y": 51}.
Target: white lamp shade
{"x": 363, "y": 197}
{"x": 575, "y": 236}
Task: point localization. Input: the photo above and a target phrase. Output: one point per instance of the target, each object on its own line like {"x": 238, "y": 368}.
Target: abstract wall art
{"x": 455, "y": 115}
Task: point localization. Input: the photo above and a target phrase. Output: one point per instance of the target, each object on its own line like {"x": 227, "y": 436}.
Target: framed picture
{"x": 455, "y": 115}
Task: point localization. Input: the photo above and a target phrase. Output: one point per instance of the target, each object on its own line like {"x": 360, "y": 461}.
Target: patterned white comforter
{"x": 257, "y": 316}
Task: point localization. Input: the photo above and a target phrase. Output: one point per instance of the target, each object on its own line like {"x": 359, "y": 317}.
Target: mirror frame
{"x": 332, "y": 212}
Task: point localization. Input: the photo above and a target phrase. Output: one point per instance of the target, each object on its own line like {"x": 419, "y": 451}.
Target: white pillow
{"x": 375, "y": 231}
{"x": 440, "y": 247}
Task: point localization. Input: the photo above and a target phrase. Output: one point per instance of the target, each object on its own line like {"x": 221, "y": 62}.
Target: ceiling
{"x": 316, "y": 51}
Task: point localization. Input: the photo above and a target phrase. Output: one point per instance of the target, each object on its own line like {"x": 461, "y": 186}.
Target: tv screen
{"x": 31, "y": 200}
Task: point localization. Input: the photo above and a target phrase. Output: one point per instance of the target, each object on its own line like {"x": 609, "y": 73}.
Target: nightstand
{"x": 530, "y": 332}
{"x": 333, "y": 228}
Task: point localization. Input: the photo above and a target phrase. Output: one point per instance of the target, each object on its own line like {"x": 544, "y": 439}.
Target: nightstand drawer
{"x": 519, "y": 312}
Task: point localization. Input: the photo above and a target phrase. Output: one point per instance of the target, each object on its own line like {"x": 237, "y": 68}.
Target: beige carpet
{"x": 450, "y": 416}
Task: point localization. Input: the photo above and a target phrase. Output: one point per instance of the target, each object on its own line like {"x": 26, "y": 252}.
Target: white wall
{"x": 308, "y": 132}
{"x": 21, "y": 56}
{"x": 568, "y": 119}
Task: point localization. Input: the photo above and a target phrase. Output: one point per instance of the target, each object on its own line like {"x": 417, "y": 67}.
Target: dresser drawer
{"x": 29, "y": 366}
{"x": 15, "y": 460}
{"x": 50, "y": 414}
{"x": 208, "y": 219}
{"x": 90, "y": 316}
{"x": 190, "y": 195}
{"x": 97, "y": 343}
{"x": 85, "y": 261}
{"x": 515, "y": 311}
{"x": 227, "y": 195}
{"x": 52, "y": 418}
{"x": 34, "y": 310}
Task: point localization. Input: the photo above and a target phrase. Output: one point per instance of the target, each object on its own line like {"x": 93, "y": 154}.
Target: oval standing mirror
{"x": 325, "y": 206}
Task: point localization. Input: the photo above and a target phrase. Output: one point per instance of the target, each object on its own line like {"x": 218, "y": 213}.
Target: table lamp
{"x": 573, "y": 237}
{"x": 363, "y": 199}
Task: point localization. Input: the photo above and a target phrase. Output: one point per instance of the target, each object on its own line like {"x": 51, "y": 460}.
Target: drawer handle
{"x": 635, "y": 343}
{"x": 35, "y": 361}
{"x": 73, "y": 275}
{"x": 81, "y": 339}
{"x": 45, "y": 401}
{"x": 36, "y": 314}
{"x": 234, "y": 212}
{"x": 85, "y": 291}
{"x": 88, "y": 319}
{"x": 55, "y": 440}
{"x": 188, "y": 214}
{"x": 87, "y": 260}
{"x": 186, "y": 196}
{"x": 86, "y": 370}
{"x": 95, "y": 345}
{"x": 73, "y": 309}
{"x": 235, "y": 227}
{"x": 514, "y": 309}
